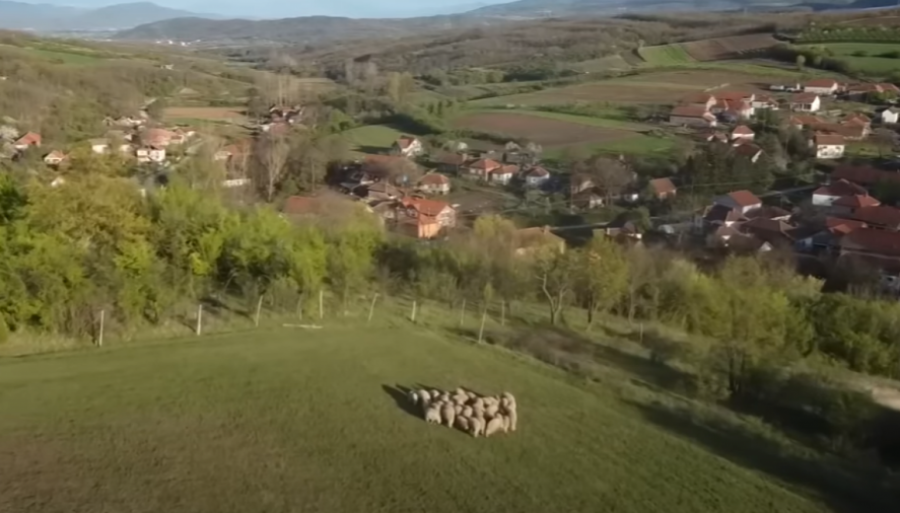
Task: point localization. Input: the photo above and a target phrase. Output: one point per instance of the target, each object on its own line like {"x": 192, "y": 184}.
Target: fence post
{"x": 412, "y": 316}
{"x": 372, "y": 308}
{"x": 462, "y": 312}
{"x": 483, "y": 319}
{"x": 199, "y": 319}
{"x": 258, "y": 310}
{"x": 321, "y": 304}
{"x": 100, "y": 336}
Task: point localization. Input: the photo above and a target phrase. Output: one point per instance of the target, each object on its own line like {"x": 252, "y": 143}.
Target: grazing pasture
{"x": 874, "y": 58}
{"x": 372, "y": 138}
{"x": 315, "y": 421}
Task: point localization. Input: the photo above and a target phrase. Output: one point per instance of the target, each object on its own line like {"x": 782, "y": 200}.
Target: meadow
{"x": 665, "y": 55}
{"x": 865, "y": 57}
{"x": 371, "y": 138}
{"x": 313, "y": 420}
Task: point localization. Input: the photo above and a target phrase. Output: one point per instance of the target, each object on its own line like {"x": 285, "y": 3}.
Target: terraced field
{"x": 721, "y": 48}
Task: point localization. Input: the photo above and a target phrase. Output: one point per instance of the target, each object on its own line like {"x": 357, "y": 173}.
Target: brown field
{"x": 658, "y": 88}
{"x": 550, "y": 133}
{"x": 728, "y": 47}
{"x": 228, "y": 114}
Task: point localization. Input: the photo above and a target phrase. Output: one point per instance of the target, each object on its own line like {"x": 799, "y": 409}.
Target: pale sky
{"x": 285, "y": 9}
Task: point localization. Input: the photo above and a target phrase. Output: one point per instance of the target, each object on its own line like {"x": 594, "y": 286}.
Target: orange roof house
{"x": 27, "y": 140}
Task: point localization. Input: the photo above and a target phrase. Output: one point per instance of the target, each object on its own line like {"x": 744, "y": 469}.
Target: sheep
{"x": 448, "y": 412}
{"x": 491, "y": 410}
{"x": 424, "y": 396}
{"x": 479, "y": 403}
{"x": 467, "y": 411}
{"x": 458, "y": 409}
{"x": 478, "y": 410}
{"x": 511, "y": 399}
{"x": 506, "y": 421}
{"x": 513, "y": 418}
{"x": 462, "y": 423}
{"x": 476, "y": 426}
{"x": 471, "y": 395}
{"x": 459, "y": 391}
{"x": 493, "y": 426}
{"x": 445, "y": 397}
{"x": 433, "y": 415}
{"x": 413, "y": 397}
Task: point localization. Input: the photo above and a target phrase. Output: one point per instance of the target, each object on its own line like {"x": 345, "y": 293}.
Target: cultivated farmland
{"x": 721, "y": 48}
{"x": 546, "y": 131}
{"x": 313, "y": 421}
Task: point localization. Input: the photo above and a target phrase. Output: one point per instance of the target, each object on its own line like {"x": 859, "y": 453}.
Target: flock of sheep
{"x": 467, "y": 411}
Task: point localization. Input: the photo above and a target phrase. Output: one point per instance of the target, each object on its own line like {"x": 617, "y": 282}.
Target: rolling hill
{"x": 50, "y": 17}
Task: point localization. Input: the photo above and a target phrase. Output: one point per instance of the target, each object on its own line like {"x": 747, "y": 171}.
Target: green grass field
{"x": 278, "y": 420}
{"x": 371, "y": 137}
{"x": 665, "y": 55}
{"x": 608, "y": 63}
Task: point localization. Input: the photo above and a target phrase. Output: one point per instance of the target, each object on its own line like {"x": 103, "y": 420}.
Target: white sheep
{"x": 476, "y": 426}
{"x": 510, "y": 399}
{"x": 471, "y": 395}
{"x": 467, "y": 411}
{"x": 433, "y": 415}
{"x": 424, "y": 396}
{"x": 513, "y": 419}
{"x": 448, "y": 412}
{"x": 462, "y": 423}
{"x": 413, "y": 397}
{"x": 458, "y": 409}
{"x": 506, "y": 422}
{"x": 493, "y": 426}
{"x": 491, "y": 410}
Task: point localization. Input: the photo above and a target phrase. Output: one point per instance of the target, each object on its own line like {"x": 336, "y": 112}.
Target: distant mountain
{"x": 50, "y": 18}
{"x": 308, "y": 30}
{"x": 573, "y": 8}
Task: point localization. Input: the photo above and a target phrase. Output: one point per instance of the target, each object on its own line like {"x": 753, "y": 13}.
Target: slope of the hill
{"x": 51, "y": 17}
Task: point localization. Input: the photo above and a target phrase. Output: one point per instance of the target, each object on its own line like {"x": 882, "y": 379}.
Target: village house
{"x": 714, "y": 136}
{"x": 826, "y": 195}
{"x": 823, "y": 86}
{"x": 54, "y": 158}
{"x": 531, "y": 240}
{"x": 27, "y": 141}
{"x": 829, "y": 146}
{"x": 452, "y": 162}
{"x": 776, "y": 232}
{"x": 378, "y": 191}
{"x": 742, "y": 133}
{"x": 156, "y": 137}
{"x": 579, "y": 182}
{"x": 734, "y": 111}
{"x": 622, "y": 228}
{"x": 148, "y": 154}
{"x": 690, "y": 115}
{"x": 504, "y": 174}
{"x": 536, "y": 176}
{"x": 876, "y": 248}
{"x": 764, "y": 101}
{"x": 849, "y": 205}
{"x": 726, "y": 100}
{"x": 741, "y": 201}
{"x": 805, "y": 102}
{"x": 434, "y": 183}
{"x": 481, "y": 169}
{"x": 408, "y": 146}
{"x": 881, "y": 216}
{"x": 424, "y": 218}
{"x": 662, "y": 188}
{"x": 792, "y": 87}
{"x": 861, "y": 91}
{"x": 801, "y": 121}
{"x": 890, "y": 115}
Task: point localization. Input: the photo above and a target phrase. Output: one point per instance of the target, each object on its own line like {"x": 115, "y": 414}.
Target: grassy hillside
{"x": 665, "y": 55}
{"x": 303, "y": 420}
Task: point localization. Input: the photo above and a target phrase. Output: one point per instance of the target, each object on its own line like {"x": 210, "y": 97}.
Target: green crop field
{"x": 279, "y": 420}
{"x": 665, "y": 55}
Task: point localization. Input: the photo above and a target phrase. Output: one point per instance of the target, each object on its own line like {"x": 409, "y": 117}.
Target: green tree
{"x": 602, "y": 277}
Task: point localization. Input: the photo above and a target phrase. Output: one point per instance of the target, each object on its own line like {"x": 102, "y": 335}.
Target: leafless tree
{"x": 271, "y": 154}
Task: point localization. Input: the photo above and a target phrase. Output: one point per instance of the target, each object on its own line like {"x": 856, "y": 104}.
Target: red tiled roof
{"x": 805, "y": 120}
{"x": 878, "y": 242}
{"x": 843, "y": 225}
{"x": 747, "y": 149}
{"x": 405, "y": 141}
{"x": 690, "y": 111}
{"x": 55, "y": 154}
{"x": 878, "y": 216}
{"x": 486, "y": 164}
{"x": 839, "y": 187}
{"x": 804, "y": 98}
{"x": 744, "y": 198}
{"x": 662, "y": 185}
{"x": 732, "y": 96}
{"x": 742, "y": 130}
{"x": 508, "y": 169}
{"x": 767, "y": 213}
{"x": 860, "y": 119}
{"x": 722, "y": 214}
{"x": 434, "y": 179}
{"x": 30, "y": 139}
{"x": 426, "y": 207}
{"x": 766, "y": 228}
{"x": 538, "y": 172}
{"x": 857, "y": 201}
{"x": 864, "y": 175}
{"x": 829, "y": 140}
{"x": 156, "y": 136}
